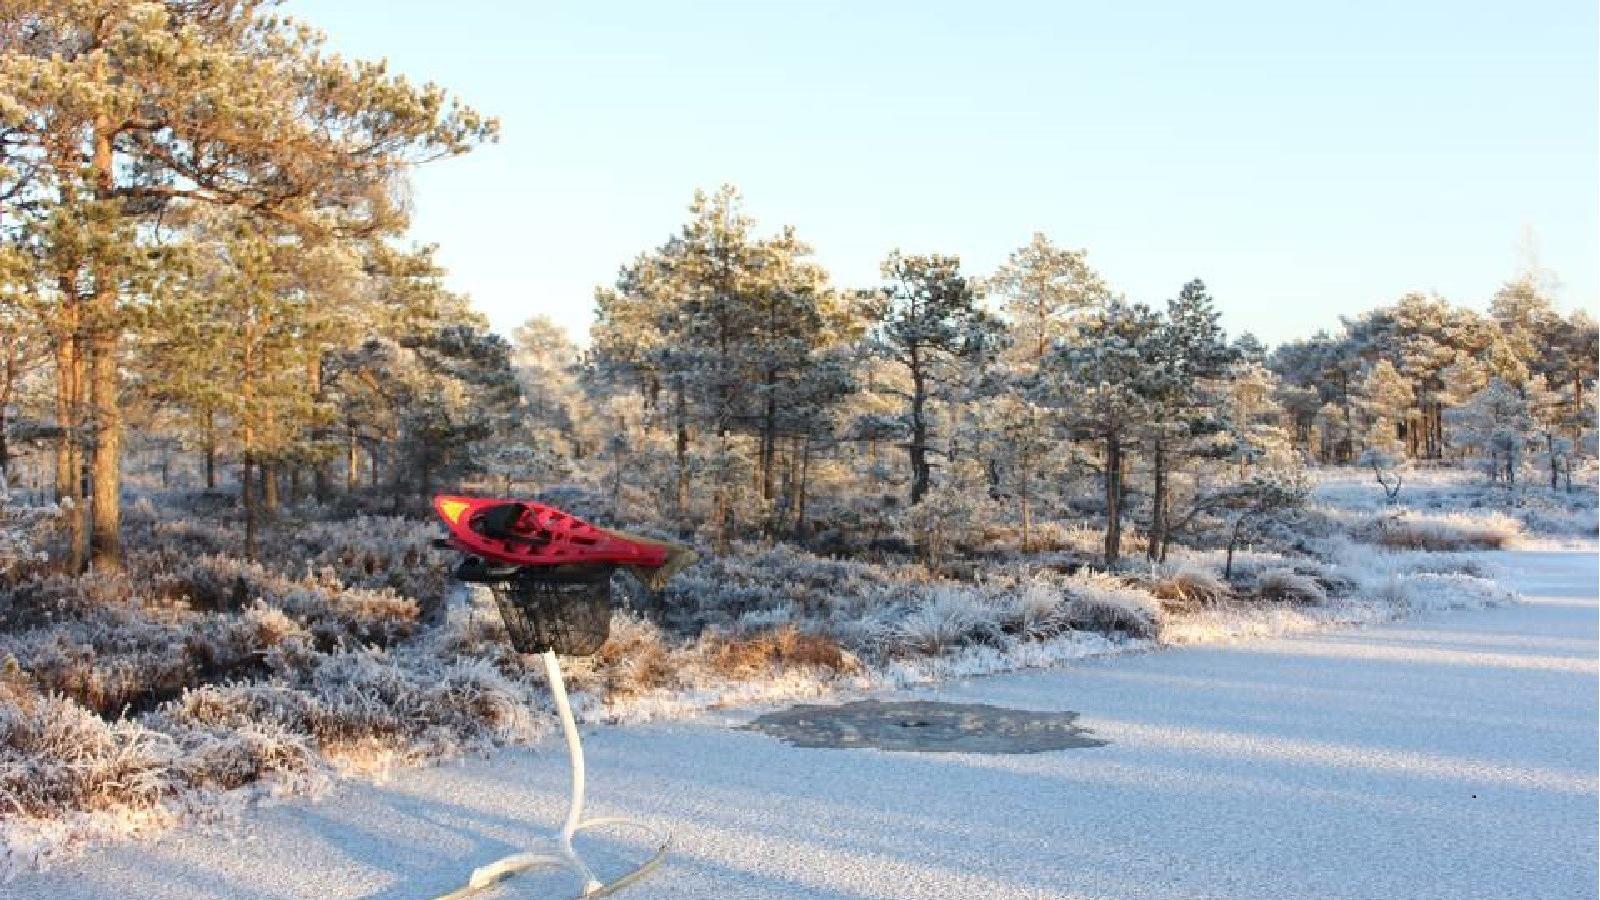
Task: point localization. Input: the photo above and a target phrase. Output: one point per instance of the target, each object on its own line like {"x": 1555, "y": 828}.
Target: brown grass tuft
{"x": 779, "y": 648}
{"x": 1190, "y": 588}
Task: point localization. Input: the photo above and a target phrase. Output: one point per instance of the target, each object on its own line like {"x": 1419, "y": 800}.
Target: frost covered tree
{"x": 241, "y": 336}
{"x": 928, "y": 320}
{"x": 1100, "y": 382}
{"x": 547, "y": 364}
{"x": 1189, "y": 357}
{"x": 1045, "y": 289}
{"x": 1268, "y": 499}
{"x": 115, "y": 113}
{"x": 719, "y": 331}
{"x": 1385, "y": 401}
{"x": 1496, "y": 420}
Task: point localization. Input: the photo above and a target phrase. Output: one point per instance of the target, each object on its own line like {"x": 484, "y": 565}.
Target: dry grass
{"x": 779, "y": 648}
{"x": 1287, "y": 585}
{"x": 1448, "y": 533}
{"x": 1190, "y": 588}
{"x": 635, "y": 659}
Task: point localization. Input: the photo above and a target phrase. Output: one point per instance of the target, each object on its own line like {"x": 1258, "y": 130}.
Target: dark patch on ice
{"x": 927, "y": 727}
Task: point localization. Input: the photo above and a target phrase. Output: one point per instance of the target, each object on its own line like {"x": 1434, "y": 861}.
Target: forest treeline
{"x": 204, "y": 259}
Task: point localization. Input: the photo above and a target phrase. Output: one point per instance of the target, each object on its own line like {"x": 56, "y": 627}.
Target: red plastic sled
{"x": 524, "y": 533}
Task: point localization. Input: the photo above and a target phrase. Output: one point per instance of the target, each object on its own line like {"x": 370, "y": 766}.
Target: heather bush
{"x": 57, "y": 757}
{"x": 1034, "y": 610}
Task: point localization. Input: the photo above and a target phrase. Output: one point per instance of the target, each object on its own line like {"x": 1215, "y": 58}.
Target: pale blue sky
{"x": 1306, "y": 160}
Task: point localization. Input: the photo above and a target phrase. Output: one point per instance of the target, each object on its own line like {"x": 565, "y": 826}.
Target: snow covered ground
{"x": 1452, "y": 756}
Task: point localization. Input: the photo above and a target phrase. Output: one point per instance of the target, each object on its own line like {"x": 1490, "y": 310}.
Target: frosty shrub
{"x": 777, "y": 649}
{"x": 947, "y": 521}
{"x": 1435, "y": 592}
{"x": 1190, "y": 586}
{"x": 25, "y": 532}
{"x": 948, "y": 617}
{"x": 366, "y": 707}
{"x": 1454, "y": 532}
{"x": 1098, "y": 601}
{"x": 1287, "y": 584}
{"x": 635, "y": 659}
{"x": 118, "y": 658}
{"x": 332, "y": 612}
{"x": 1034, "y": 610}
{"x": 780, "y": 581}
{"x": 57, "y": 757}
{"x": 374, "y": 552}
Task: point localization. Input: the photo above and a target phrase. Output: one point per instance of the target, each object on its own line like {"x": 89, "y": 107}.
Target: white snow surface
{"x": 1452, "y": 756}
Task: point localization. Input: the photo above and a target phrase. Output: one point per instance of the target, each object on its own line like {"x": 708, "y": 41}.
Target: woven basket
{"x": 562, "y": 608}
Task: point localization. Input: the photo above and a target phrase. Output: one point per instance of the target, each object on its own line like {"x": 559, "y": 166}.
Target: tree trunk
{"x": 247, "y": 491}
{"x": 921, "y": 476}
{"x": 1113, "y": 483}
{"x": 69, "y": 418}
{"x": 769, "y": 436}
{"x": 321, "y": 486}
{"x": 800, "y": 491}
{"x": 211, "y": 449}
{"x": 269, "y": 486}
{"x": 352, "y": 461}
{"x": 681, "y": 450}
{"x": 1158, "y": 501}
{"x": 106, "y": 459}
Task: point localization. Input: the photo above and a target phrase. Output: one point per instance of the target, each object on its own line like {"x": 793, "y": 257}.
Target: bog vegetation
{"x": 228, "y": 384}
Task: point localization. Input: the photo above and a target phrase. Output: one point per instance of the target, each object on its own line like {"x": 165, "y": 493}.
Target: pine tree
{"x": 929, "y": 319}
{"x": 120, "y": 111}
{"x": 1100, "y": 382}
{"x": 1189, "y": 355}
{"x": 1385, "y": 401}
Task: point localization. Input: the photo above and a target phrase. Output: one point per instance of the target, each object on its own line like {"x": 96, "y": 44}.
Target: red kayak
{"x": 525, "y": 533}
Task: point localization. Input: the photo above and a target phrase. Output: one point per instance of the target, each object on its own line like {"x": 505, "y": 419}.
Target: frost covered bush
{"x": 1448, "y": 533}
{"x": 948, "y": 520}
{"x": 781, "y": 581}
{"x": 57, "y": 757}
{"x": 1035, "y": 610}
{"x": 25, "y": 532}
{"x": 947, "y": 618}
{"x": 333, "y": 613}
{"x": 364, "y": 707}
{"x": 635, "y": 659}
{"x": 1098, "y": 601}
{"x": 1432, "y": 591}
{"x": 1288, "y": 585}
{"x": 1190, "y": 586}
{"x": 119, "y": 658}
{"x": 373, "y": 552}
